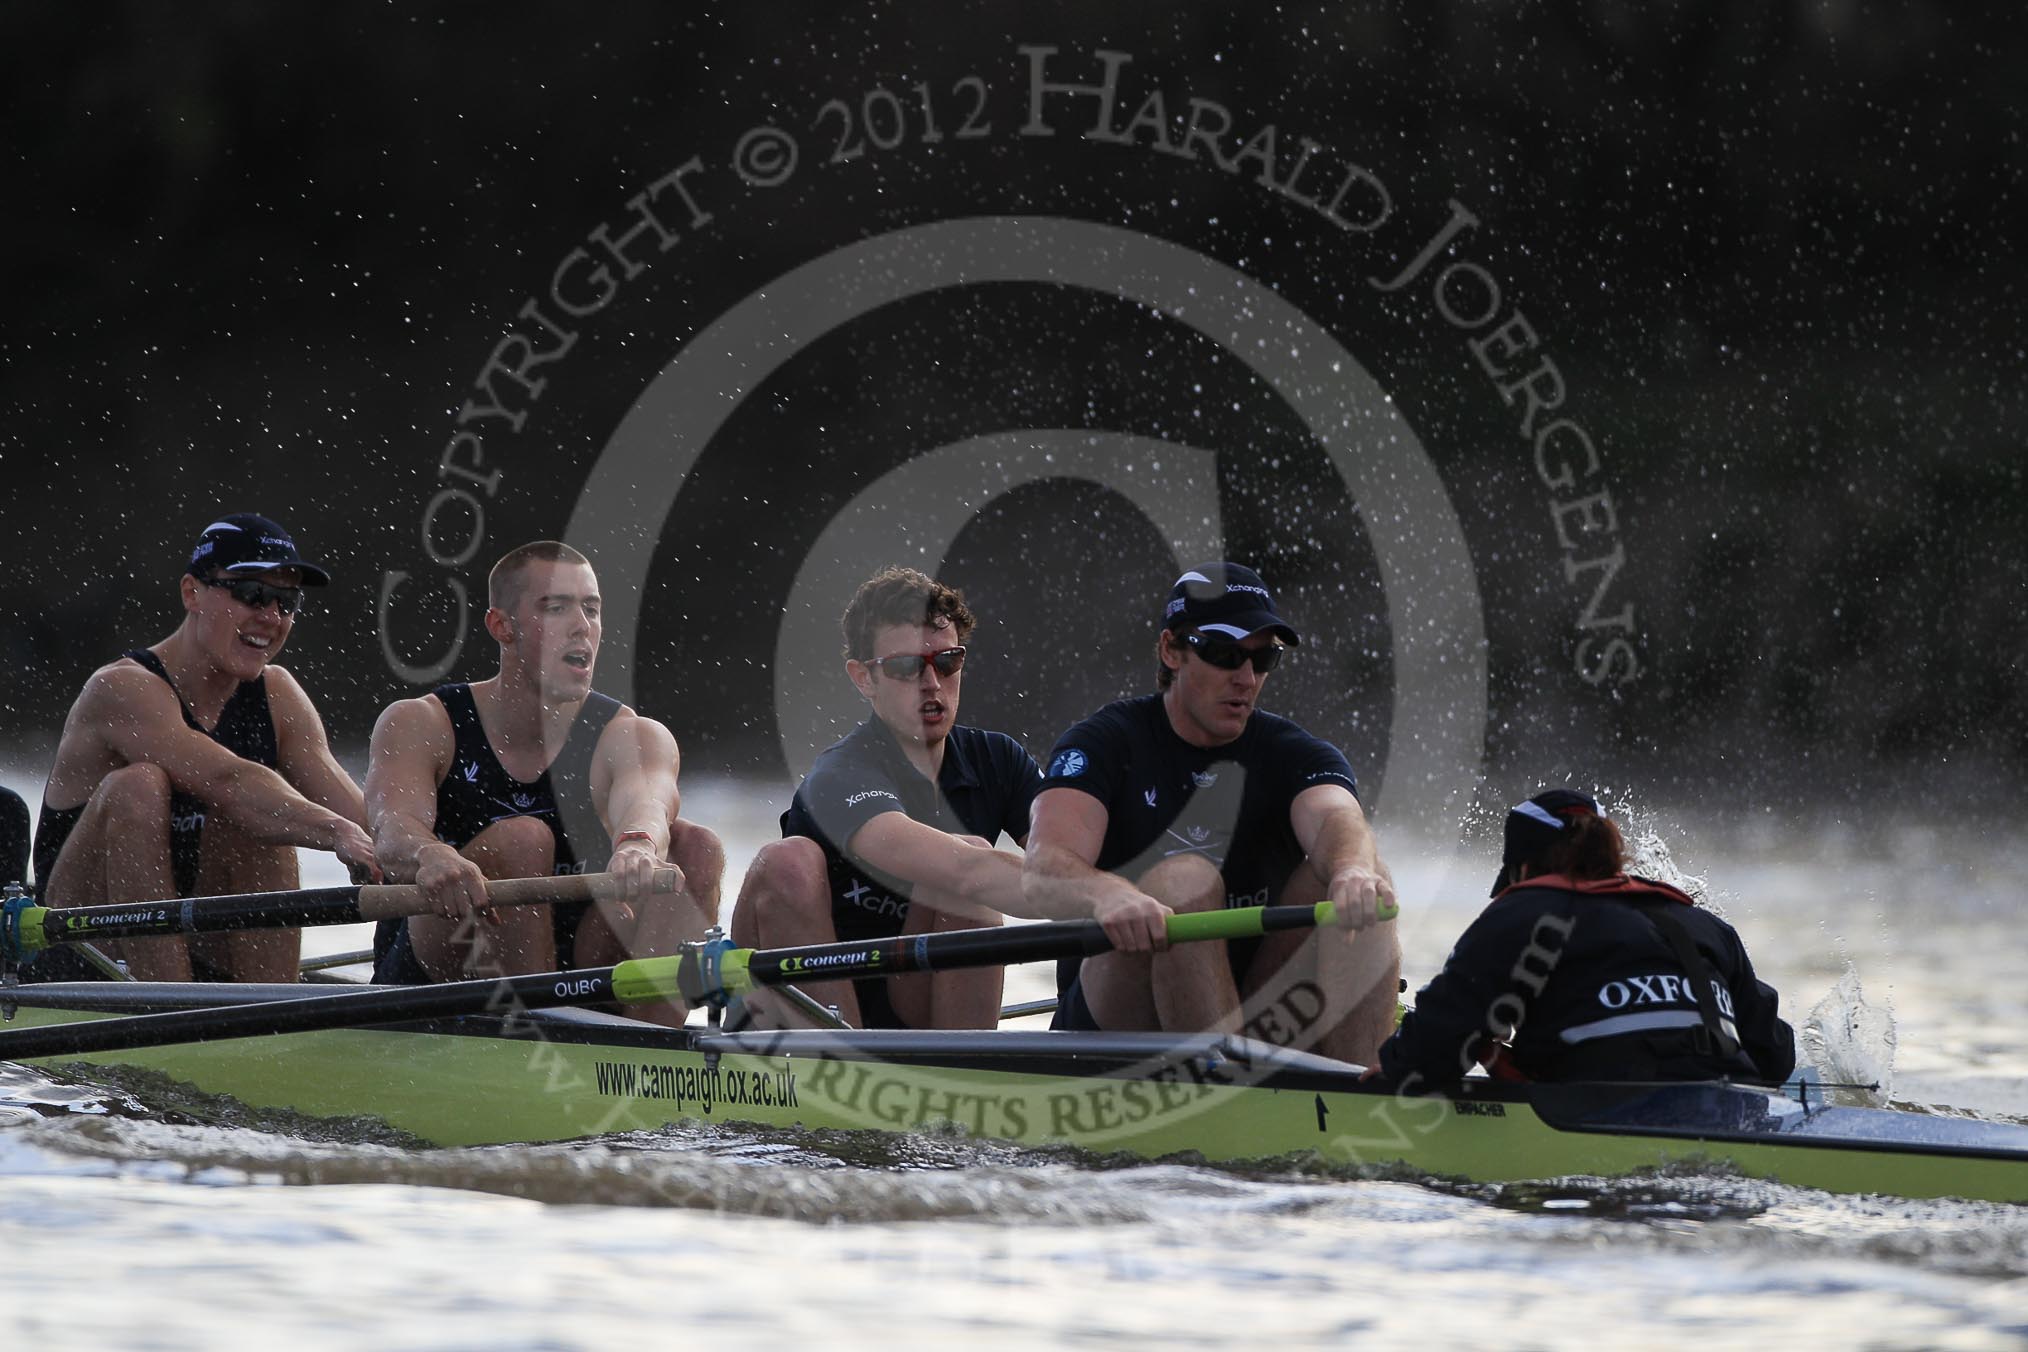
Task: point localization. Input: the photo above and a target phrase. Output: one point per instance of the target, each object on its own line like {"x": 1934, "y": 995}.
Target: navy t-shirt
{"x": 985, "y": 786}
{"x": 1165, "y": 797}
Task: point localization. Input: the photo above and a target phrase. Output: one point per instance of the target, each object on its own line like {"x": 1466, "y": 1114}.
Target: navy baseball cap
{"x": 1533, "y": 827}
{"x": 1227, "y": 599}
{"x": 243, "y": 545}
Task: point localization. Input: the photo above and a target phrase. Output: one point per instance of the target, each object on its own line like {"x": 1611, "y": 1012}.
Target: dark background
{"x": 255, "y": 256}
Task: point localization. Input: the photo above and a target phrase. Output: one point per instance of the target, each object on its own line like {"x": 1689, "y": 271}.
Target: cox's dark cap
{"x": 244, "y": 544}
{"x": 1227, "y": 599}
{"x": 1533, "y": 827}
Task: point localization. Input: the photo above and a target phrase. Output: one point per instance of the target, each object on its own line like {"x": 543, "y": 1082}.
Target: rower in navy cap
{"x": 196, "y": 767}
{"x": 1191, "y": 799}
{"x": 1578, "y": 971}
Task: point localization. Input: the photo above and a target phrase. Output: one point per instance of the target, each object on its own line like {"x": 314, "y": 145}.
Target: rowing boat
{"x": 559, "y": 1074}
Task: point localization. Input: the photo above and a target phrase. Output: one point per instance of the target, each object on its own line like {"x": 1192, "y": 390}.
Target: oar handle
{"x": 1250, "y": 922}
{"x": 391, "y": 901}
{"x": 715, "y": 971}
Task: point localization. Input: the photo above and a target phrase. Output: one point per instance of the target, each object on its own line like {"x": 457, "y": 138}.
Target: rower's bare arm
{"x": 633, "y": 785}
{"x": 305, "y": 751}
{"x": 140, "y": 721}
{"x": 410, "y": 754}
{"x": 1339, "y": 846}
{"x": 1060, "y": 881}
{"x": 976, "y": 879}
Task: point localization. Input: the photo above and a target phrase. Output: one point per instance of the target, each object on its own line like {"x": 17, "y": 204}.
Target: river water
{"x": 132, "y": 1226}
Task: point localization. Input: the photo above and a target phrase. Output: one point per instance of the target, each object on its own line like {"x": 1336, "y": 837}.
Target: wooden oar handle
{"x": 391, "y": 901}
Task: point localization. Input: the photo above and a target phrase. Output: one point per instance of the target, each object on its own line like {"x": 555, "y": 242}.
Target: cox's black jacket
{"x": 1585, "y": 982}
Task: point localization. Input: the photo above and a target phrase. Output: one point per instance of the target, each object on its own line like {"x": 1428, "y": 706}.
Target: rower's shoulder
{"x": 615, "y": 708}
{"x": 628, "y": 734}
{"x": 123, "y": 683}
{"x": 418, "y": 720}
{"x": 283, "y": 688}
{"x": 990, "y": 742}
{"x": 1272, "y": 730}
{"x": 1134, "y": 714}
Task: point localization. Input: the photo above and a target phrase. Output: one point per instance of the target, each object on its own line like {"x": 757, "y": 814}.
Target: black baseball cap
{"x": 1533, "y": 827}
{"x": 1227, "y": 599}
{"x": 244, "y": 544}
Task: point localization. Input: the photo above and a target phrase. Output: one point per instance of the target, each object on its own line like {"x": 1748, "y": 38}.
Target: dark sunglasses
{"x": 1226, "y": 655}
{"x": 908, "y": 666}
{"x": 256, "y": 595}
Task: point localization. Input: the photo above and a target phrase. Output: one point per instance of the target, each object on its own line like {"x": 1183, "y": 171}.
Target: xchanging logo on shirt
{"x": 1068, "y": 764}
{"x": 854, "y": 800}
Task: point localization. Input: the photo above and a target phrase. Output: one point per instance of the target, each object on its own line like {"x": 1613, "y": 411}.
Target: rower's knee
{"x": 518, "y": 847}
{"x": 135, "y": 795}
{"x": 699, "y": 852}
{"x": 1186, "y": 883}
{"x": 787, "y": 886}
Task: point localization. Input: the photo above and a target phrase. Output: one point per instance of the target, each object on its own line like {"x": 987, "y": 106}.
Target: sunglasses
{"x": 1227, "y": 655}
{"x": 908, "y": 666}
{"x": 256, "y": 595}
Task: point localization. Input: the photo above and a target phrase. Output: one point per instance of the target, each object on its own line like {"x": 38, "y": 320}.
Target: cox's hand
{"x": 354, "y": 849}
{"x": 453, "y": 884}
{"x": 1134, "y": 921}
{"x": 1360, "y": 897}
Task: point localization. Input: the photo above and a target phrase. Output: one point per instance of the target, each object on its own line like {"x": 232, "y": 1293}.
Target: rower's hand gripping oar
{"x": 26, "y": 928}
{"x": 709, "y": 973}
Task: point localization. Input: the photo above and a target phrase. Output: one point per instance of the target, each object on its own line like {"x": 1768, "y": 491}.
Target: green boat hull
{"x": 562, "y": 1075}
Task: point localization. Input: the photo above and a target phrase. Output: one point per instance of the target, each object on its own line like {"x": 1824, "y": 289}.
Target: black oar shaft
{"x": 985, "y": 947}
{"x": 43, "y": 926}
{"x": 353, "y": 1009}
{"x": 704, "y": 972}
{"x": 915, "y": 952}
{"x": 203, "y": 915}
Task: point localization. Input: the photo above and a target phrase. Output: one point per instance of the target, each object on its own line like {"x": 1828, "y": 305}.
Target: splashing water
{"x": 1651, "y": 859}
{"x": 1648, "y": 850}
{"x": 1850, "y": 1041}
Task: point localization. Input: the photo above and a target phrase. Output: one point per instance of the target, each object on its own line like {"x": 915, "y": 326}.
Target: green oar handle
{"x": 1250, "y": 922}
{"x": 716, "y": 971}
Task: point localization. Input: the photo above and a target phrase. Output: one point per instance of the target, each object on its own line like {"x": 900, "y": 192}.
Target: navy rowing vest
{"x": 246, "y": 727}
{"x": 477, "y": 791}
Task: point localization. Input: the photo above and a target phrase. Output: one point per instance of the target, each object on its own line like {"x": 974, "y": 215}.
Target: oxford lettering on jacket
{"x": 1660, "y": 988}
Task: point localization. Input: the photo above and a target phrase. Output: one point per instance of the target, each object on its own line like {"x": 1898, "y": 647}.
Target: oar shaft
{"x": 190, "y": 915}
{"x": 40, "y": 927}
{"x": 705, "y": 972}
{"x": 706, "y": 976}
{"x": 353, "y": 1009}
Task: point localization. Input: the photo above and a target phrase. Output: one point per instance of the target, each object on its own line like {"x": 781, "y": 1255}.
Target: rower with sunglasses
{"x": 892, "y": 830}
{"x": 196, "y": 767}
{"x": 1197, "y": 799}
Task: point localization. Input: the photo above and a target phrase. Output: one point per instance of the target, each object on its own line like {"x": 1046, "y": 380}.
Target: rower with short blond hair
{"x": 531, "y": 772}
